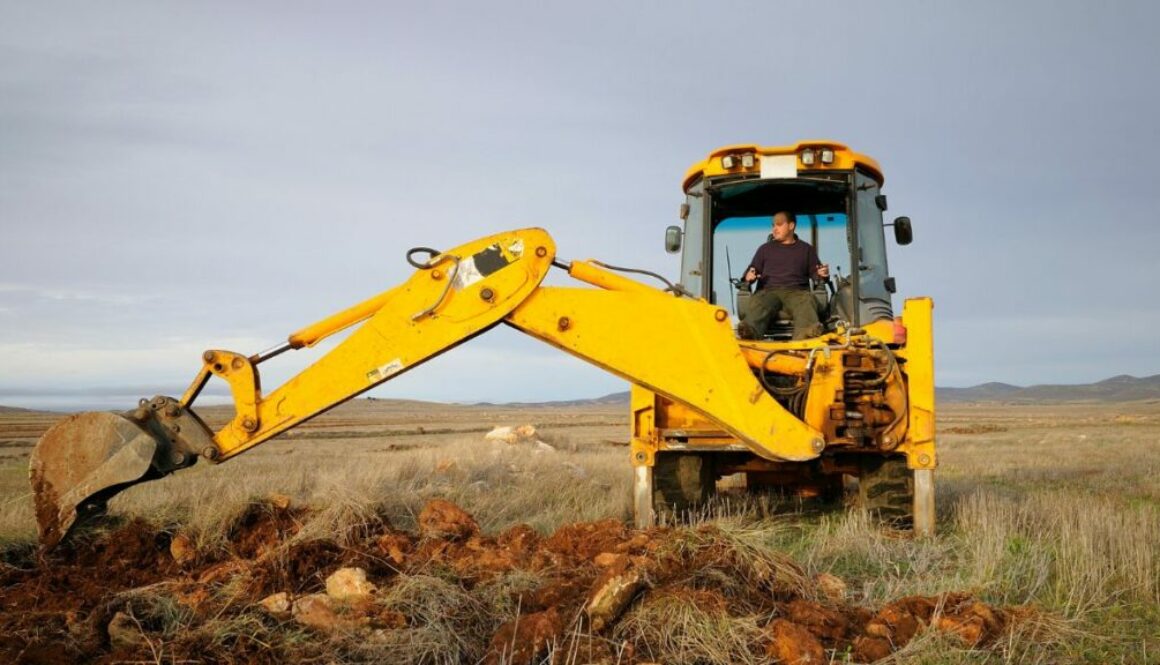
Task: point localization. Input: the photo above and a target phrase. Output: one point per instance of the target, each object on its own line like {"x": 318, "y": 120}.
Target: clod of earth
{"x": 395, "y": 546}
{"x": 125, "y": 631}
{"x": 823, "y": 622}
{"x": 443, "y": 519}
{"x": 793, "y": 645}
{"x": 279, "y": 501}
{"x": 831, "y": 587}
{"x": 182, "y": 549}
{"x": 868, "y": 649}
{"x": 523, "y": 640}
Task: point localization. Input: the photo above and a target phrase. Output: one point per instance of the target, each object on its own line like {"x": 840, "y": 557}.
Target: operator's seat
{"x": 781, "y": 329}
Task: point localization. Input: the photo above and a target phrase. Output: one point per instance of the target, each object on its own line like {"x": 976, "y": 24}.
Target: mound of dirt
{"x": 586, "y": 589}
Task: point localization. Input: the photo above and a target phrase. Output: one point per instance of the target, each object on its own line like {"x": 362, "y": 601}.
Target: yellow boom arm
{"x": 681, "y": 348}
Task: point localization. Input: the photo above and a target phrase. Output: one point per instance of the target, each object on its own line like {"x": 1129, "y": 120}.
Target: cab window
{"x": 736, "y": 239}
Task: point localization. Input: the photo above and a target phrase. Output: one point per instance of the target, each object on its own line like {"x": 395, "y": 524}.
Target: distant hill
{"x": 611, "y": 398}
{"x": 1122, "y": 388}
{"x": 15, "y": 409}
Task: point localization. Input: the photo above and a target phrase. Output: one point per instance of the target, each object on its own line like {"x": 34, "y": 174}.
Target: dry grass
{"x": 676, "y": 627}
{"x": 1057, "y": 507}
{"x": 451, "y": 625}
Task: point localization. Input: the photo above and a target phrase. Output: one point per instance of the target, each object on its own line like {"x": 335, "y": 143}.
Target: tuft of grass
{"x": 1074, "y": 556}
{"x": 883, "y": 564}
{"x": 680, "y": 627}
{"x": 447, "y": 623}
{"x": 346, "y": 518}
{"x": 502, "y": 594}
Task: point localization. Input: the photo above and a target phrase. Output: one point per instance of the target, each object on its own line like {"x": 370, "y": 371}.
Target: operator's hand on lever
{"x": 824, "y": 271}
{"x": 751, "y": 275}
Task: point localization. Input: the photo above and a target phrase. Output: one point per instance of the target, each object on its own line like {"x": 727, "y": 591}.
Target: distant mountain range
{"x": 1122, "y": 388}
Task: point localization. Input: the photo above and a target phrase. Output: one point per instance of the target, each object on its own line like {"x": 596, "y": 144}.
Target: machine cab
{"x": 835, "y": 197}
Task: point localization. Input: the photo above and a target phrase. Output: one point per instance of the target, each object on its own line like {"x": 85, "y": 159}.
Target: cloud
{"x": 176, "y": 178}
{"x": 22, "y": 291}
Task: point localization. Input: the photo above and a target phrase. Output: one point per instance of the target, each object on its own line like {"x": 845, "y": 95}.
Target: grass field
{"x": 1057, "y": 507}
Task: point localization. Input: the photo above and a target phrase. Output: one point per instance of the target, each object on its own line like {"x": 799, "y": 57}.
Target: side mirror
{"x": 903, "y": 233}
{"x": 673, "y": 239}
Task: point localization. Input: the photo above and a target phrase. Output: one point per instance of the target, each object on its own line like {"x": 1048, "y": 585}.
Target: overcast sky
{"x": 181, "y": 177}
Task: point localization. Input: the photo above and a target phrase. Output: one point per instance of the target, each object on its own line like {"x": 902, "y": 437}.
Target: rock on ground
{"x": 349, "y": 584}
{"x": 277, "y": 604}
{"x": 511, "y": 435}
{"x": 610, "y": 596}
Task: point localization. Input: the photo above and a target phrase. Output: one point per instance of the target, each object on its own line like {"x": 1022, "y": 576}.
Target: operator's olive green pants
{"x": 764, "y": 306}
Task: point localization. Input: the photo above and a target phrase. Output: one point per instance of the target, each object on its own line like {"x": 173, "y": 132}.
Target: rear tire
{"x": 886, "y": 490}
{"x": 681, "y": 482}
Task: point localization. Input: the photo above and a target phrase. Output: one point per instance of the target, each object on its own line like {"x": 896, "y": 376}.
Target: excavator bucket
{"x": 80, "y": 463}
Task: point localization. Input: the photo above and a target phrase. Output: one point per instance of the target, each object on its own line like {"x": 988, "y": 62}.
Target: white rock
{"x": 347, "y": 584}
{"x": 502, "y": 434}
{"x": 511, "y": 435}
{"x": 277, "y": 604}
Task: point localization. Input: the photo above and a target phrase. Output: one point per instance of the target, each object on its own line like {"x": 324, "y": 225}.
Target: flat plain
{"x": 1050, "y": 511}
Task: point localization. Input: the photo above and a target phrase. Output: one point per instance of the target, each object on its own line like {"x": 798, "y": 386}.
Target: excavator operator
{"x": 782, "y": 268}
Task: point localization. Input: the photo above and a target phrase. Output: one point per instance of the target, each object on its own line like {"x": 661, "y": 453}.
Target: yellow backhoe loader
{"x": 856, "y": 401}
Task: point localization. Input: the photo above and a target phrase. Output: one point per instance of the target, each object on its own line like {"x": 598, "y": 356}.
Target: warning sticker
{"x": 386, "y": 371}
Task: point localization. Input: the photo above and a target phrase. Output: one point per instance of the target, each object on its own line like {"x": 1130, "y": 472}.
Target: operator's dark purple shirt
{"x": 785, "y": 266}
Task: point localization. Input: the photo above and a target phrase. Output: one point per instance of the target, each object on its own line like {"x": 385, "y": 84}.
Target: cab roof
{"x": 844, "y": 160}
